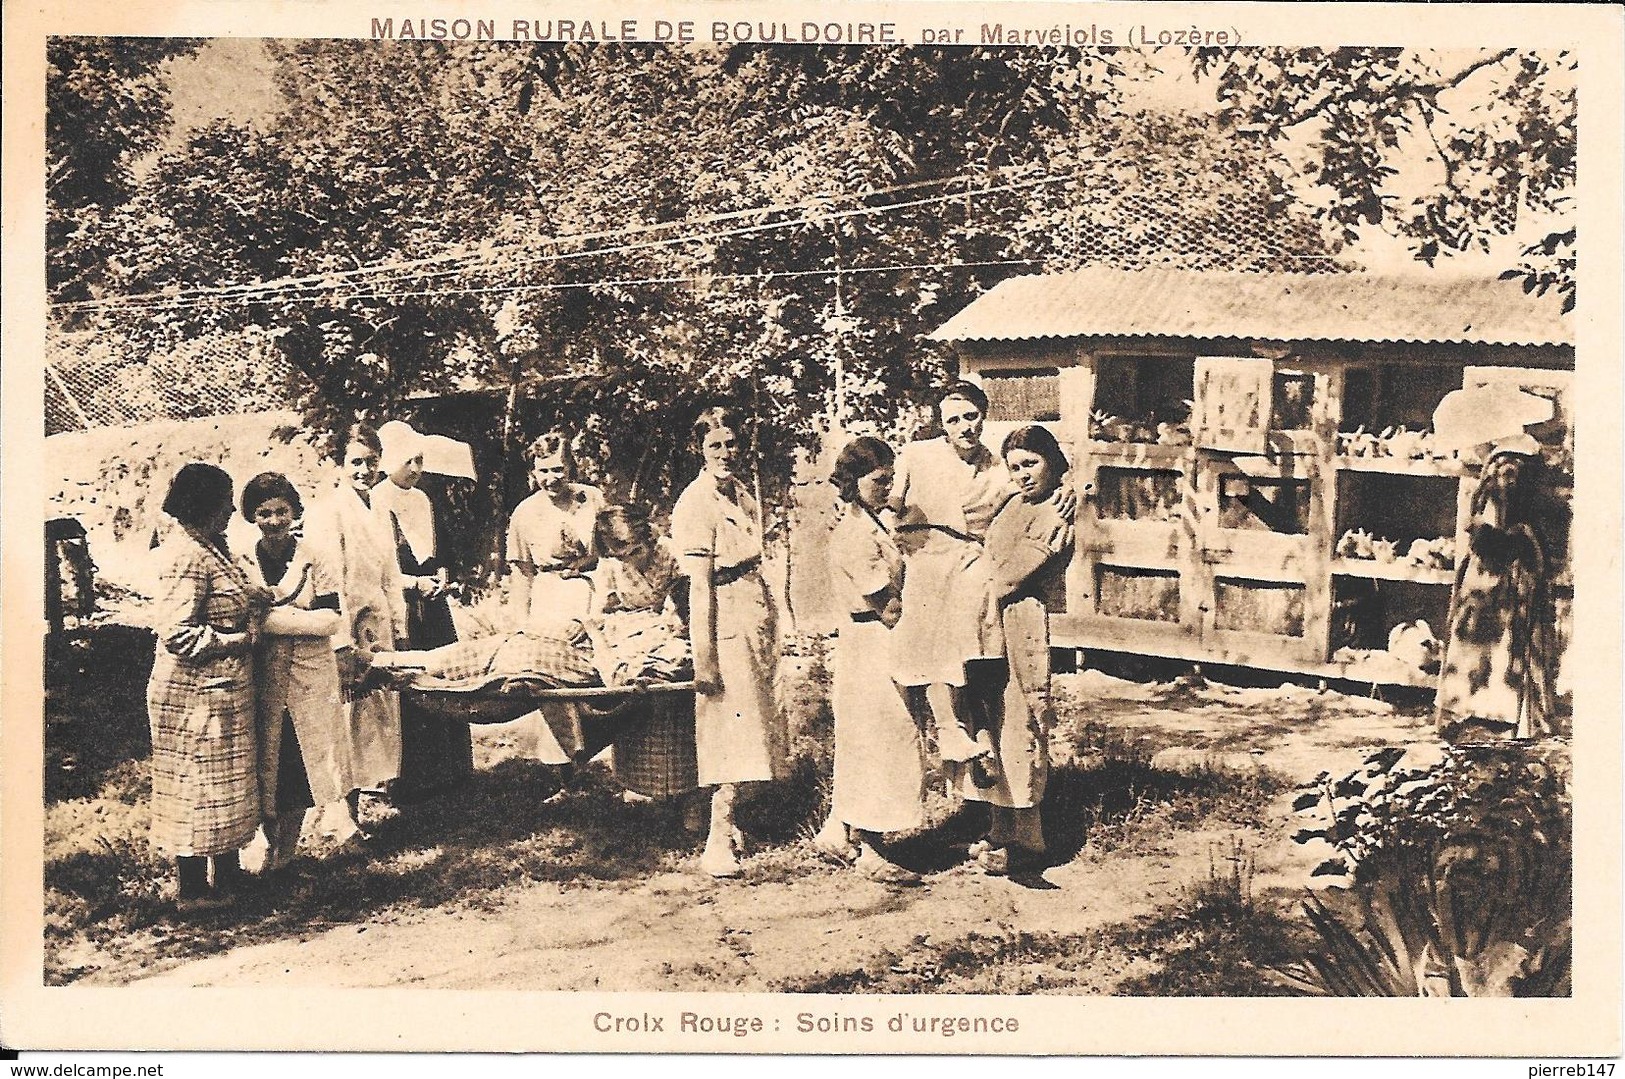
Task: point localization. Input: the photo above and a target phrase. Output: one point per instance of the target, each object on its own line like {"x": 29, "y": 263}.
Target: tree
{"x": 106, "y": 107}
{"x": 1444, "y": 149}
{"x": 615, "y": 235}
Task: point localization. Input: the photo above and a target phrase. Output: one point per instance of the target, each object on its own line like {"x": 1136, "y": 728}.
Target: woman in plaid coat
{"x": 200, "y": 700}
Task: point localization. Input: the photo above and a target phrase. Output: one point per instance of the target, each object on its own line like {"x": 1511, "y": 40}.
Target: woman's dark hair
{"x": 197, "y": 493}
{"x": 633, "y": 520}
{"x": 363, "y": 433}
{"x": 1036, "y": 439}
{"x": 713, "y": 418}
{"x": 970, "y": 391}
{"x": 856, "y": 460}
{"x": 266, "y": 486}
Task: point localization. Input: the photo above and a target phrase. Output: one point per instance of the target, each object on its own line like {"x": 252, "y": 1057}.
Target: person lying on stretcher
{"x": 634, "y": 633}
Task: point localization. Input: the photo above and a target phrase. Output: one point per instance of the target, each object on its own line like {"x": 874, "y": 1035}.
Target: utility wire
{"x": 291, "y": 288}
{"x": 559, "y": 286}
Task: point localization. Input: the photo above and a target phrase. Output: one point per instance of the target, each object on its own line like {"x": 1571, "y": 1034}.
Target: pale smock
{"x": 543, "y": 542}
{"x": 738, "y": 732}
{"x": 296, "y": 677}
{"x": 879, "y": 783}
{"x": 359, "y": 544}
{"x": 944, "y": 505}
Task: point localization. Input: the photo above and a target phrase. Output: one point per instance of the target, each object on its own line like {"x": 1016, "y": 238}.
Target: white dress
{"x": 355, "y": 540}
{"x": 879, "y": 774}
{"x": 739, "y": 734}
{"x": 295, "y": 674}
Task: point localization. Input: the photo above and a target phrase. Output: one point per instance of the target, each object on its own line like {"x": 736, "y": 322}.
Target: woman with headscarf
{"x": 739, "y": 734}
{"x": 200, "y": 698}
{"x": 1497, "y": 676}
{"x": 879, "y": 774}
{"x": 1024, "y": 567}
{"x": 358, "y": 544}
{"x": 302, "y": 740}
{"x": 402, "y": 502}
{"x": 436, "y": 752}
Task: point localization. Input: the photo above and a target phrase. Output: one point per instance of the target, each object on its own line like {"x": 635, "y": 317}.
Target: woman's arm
{"x": 290, "y": 621}
{"x": 180, "y": 614}
{"x": 694, "y": 535}
{"x": 702, "y": 630}
{"x": 1016, "y": 554}
{"x": 516, "y": 583}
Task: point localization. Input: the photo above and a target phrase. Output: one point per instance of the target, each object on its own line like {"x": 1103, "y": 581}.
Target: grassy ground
{"x": 109, "y": 901}
{"x": 1109, "y": 811}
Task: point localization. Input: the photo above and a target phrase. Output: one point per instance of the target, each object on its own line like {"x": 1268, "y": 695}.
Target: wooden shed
{"x": 1263, "y": 488}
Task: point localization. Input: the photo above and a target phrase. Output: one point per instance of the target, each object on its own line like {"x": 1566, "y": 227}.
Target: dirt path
{"x": 682, "y": 932}
{"x": 795, "y": 921}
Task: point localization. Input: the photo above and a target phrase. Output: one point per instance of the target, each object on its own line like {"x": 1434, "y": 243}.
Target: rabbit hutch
{"x": 1261, "y": 484}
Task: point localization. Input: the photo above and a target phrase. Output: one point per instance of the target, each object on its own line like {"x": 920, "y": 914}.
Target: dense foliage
{"x": 1447, "y": 149}
{"x": 392, "y": 153}
{"x": 1459, "y": 874}
{"x": 619, "y": 234}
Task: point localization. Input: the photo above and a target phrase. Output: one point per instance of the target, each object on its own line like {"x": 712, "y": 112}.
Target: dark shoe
{"x": 984, "y": 773}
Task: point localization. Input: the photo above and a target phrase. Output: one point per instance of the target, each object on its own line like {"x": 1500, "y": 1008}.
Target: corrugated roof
{"x": 1105, "y": 302}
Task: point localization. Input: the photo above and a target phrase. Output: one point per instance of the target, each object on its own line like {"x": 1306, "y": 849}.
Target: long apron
{"x": 739, "y": 736}
{"x": 879, "y": 783}
{"x": 297, "y": 677}
{"x": 945, "y": 621}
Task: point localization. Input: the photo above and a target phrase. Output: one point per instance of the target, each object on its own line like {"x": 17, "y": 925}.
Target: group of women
{"x": 259, "y": 702}
{"x": 946, "y": 558}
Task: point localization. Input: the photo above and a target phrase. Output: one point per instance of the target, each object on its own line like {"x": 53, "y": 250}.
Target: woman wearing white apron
{"x": 739, "y": 733}
{"x": 549, "y": 555}
{"x": 352, "y": 538}
{"x": 304, "y": 750}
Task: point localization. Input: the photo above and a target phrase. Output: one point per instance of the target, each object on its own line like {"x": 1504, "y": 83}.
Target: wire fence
{"x": 92, "y": 379}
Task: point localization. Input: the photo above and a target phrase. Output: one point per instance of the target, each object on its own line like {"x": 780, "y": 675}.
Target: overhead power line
{"x": 559, "y": 286}
{"x": 315, "y": 286}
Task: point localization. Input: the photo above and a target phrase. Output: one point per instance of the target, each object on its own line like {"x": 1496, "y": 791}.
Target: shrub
{"x": 1458, "y": 875}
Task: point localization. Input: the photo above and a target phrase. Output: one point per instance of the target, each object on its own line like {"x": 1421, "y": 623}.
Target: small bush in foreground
{"x": 1459, "y": 875}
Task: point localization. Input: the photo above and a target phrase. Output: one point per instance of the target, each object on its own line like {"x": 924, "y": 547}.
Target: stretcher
{"x": 579, "y": 721}
{"x": 515, "y": 698}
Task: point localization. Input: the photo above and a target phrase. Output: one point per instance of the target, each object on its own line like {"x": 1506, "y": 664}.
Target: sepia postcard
{"x": 782, "y": 528}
